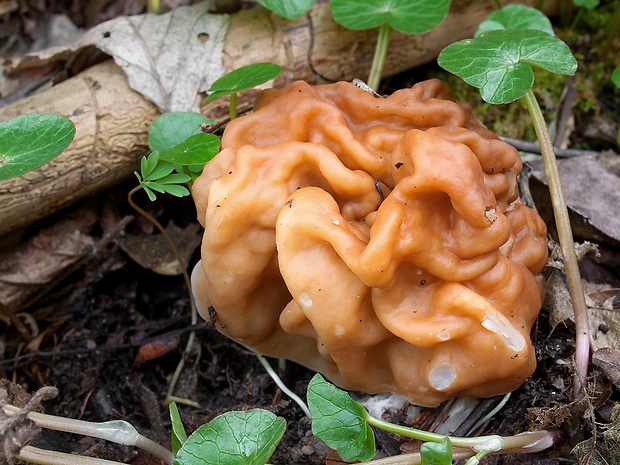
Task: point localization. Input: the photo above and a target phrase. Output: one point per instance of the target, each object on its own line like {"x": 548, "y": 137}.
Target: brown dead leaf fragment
{"x": 154, "y": 253}
{"x": 608, "y": 360}
{"x": 32, "y": 265}
{"x": 604, "y": 449}
{"x": 592, "y": 192}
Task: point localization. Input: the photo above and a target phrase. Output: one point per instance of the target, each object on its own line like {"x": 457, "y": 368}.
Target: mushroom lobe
{"x": 380, "y": 241}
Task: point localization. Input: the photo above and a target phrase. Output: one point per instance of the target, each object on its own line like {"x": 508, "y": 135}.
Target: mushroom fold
{"x": 379, "y": 241}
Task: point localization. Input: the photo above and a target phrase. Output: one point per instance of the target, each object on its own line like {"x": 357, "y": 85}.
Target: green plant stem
{"x": 117, "y": 431}
{"x": 498, "y": 4}
{"x": 152, "y": 6}
{"x": 378, "y": 61}
{"x": 188, "y": 284}
{"x": 232, "y": 110}
{"x": 525, "y": 442}
{"x": 567, "y": 246}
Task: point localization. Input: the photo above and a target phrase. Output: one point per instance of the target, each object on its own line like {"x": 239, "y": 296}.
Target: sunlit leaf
{"x": 516, "y": 17}
{"x": 178, "y": 436}
{"x": 499, "y": 63}
{"x": 28, "y": 142}
{"x": 172, "y": 128}
{"x": 162, "y": 169}
{"x": 436, "y": 453}
{"x": 196, "y": 150}
{"x": 247, "y": 438}
{"x": 407, "y": 16}
{"x": 339, "y": 421}
{"x": 244, "y": 78}
{"x": 289, "y": 9}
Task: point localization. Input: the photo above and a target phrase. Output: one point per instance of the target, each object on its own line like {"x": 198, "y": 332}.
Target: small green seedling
{"x": 587, "y": 4}
{"x": 289, "y": 9}
{"x": 180, "y": 151}
{"x": 28, "y": 142}
{"x": 345, "y": 425}
{"x": 241, "y": 79}
{"x": 178, "y": 434}
{"x": 406, "y": 16}
{"x": 516, "y": 17}
{"x": 232, "y": 438}
{"x": 437, "y": 453}
{"x": 499, "y": 63}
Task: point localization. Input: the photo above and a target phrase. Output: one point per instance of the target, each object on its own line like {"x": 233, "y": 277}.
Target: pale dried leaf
{"x": 168, "y": 58}
{"x": 604, "y": 449}
{"x": 154, "y": 253}
{"x": 592, "y": 192}
{"x": 34, "y": 264}
{"x": 608, "y": 360}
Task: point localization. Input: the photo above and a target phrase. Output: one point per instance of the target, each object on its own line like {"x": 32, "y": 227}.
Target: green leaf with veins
{"x": 289, "y": 9}
{"x": 516, "y": 17}
{"x": 499, "y": 63}
{"x": 244, "y": 78}
{"x": 173, "y": 128}
{"x": 247, "y": 438}
{"x": 195, "y": 150}
{"x": 178, "y": 436}
{"x": 436, "y": 453}
{"x": 339, "y": 421}
{"x": 28, "y": 142}
{"x": 406, "y": 16}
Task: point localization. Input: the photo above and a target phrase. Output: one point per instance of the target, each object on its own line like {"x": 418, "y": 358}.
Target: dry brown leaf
{"x": 154, "y": 253}
{"x": 32, "y": 265}
{"x": 168, "y": 58}
{"x": 608, "y": 360}
{"x": 591, "y": 191}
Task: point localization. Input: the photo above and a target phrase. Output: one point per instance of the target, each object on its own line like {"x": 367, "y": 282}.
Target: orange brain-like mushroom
{"x": 379, "y": 241}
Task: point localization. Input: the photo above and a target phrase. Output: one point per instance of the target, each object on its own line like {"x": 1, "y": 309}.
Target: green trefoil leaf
{"x": 406, "y": 16}
{"x": 289, "y": 9}
{"x": 499, "y": 62}
{"x": 247, "y": 438}
{"x": 244, "y": 78}
{"x": 339, "y": 421}
{"x": 28, "y": 142}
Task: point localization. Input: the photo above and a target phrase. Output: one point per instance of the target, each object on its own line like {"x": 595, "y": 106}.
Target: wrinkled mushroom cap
{"x": 379, "y": 241}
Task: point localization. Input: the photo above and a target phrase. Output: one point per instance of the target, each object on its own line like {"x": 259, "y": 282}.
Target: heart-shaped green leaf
{"x": 289, "y": 9}
{"x": 436, "y": 453}
{"x": 196, "y": 150}
{"x": 406, "y": 16}
{"x": 499, "y": 63}
{"x": 28, "y": 142}
{"x": 339, "y": 421}
{"x": 247, "y": 438}
{"x": 172, "y": 128}
{"x": 516, "y": 17}
{"x": 244, "y": 78}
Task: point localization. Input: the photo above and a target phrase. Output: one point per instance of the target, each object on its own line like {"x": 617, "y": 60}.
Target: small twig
{"x": 534, "y": 147}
